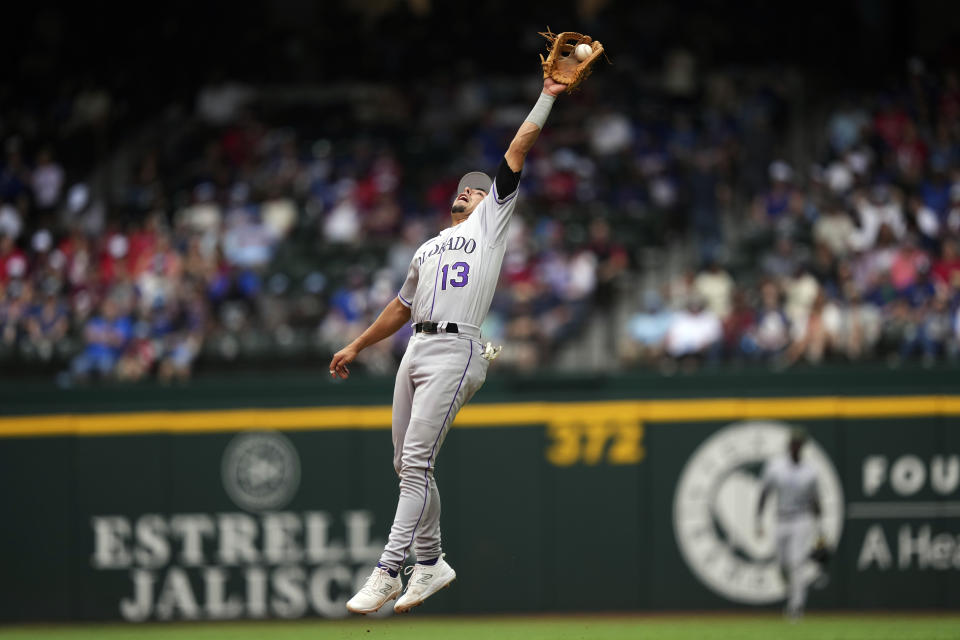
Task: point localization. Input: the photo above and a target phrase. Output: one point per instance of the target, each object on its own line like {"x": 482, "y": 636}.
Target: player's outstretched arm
{"x": 393, "y": 316}
{"x": 530, "y": 129}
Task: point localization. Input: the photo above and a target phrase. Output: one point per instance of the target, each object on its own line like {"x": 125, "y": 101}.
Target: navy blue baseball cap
{"x": 475, "y": 180}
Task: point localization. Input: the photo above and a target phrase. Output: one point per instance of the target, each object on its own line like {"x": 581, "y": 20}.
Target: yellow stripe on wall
{"x": 481, "y": 415}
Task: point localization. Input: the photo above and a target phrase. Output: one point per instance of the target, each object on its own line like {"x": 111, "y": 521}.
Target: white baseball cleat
{"x": 425, "y": 580}
{"x": 379, "y": 589}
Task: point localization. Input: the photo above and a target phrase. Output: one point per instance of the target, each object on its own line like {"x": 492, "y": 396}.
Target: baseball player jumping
{"x": 798, "y": 516}
{"x": 446, "y": 296}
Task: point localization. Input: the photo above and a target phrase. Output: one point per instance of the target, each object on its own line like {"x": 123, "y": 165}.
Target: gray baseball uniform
{"x": 451, "y": 279}
{"x": 796, "y": 487}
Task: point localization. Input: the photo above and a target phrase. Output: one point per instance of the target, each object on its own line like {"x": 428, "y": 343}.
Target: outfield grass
{"x": 588, "y": 627}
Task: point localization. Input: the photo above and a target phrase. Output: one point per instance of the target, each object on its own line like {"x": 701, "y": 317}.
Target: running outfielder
{"x": 446, "y": 296}
{"x": 798, "y": 516}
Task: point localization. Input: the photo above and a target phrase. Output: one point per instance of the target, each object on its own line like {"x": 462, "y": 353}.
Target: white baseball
{"x": 582, "y": 52}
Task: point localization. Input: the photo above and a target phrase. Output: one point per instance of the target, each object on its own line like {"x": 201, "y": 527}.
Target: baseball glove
{"x": 561, "y": 64}
{"x": 820, "y": 552}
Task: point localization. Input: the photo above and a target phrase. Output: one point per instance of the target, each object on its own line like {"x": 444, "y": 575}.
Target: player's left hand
{"x": 338, "y": 365}
{"x": 552, "y": 87}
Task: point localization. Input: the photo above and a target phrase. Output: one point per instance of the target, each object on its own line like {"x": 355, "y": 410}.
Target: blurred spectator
{"x": 845, "y": 126}
{"x": 221, "y": 101}
{"x": 924, "y": 219}
{"x": 609, "y": 132}
{"x": 911, "y": 154}
{"x": 878, "y": 211}
{"x": 247, "y": 243}
{"x": 47, "y": 182}
{"x": 835, "y": 229}
{"x": 106, "y": 335}
{"x": 811, "y": 335}
{"x": 11, "y": 222}
{"x": 648, "y": 329}
{"x": 852, "y": 325}
{"x": 140, "y": 355}
{"x": 13, "y": 261}
{"x": 801, "y": 291}
{"x": 899, "y": 330}
{"x": 14, "y": 175}
{"x": 771, "y": 333}
{"x": 203, "y": 216}
{"x": 279, "y": 215}
{"x": 181, "y": 341}
{"x": 929, "y": 332}
{"x": 91, "y": 106}
{"x": 611, "y": 259}
{"x": 946, "y": 270}
{"x": 694, "y": 334}
{"x": 715, "y": 286}
{"x": 953, "y": 216}
{"x": 773, "y": 204}
{"x": 737, "y": 324}
{"x": 15, "y": 300}
{"x": 342, "y": 224}
{"x": 46, "y": 325}
{"x": 782, "y": 260}
{"x": 907, "y": 262}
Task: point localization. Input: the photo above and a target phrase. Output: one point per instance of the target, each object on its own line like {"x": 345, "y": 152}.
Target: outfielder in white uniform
{"x": 446, "y": 296}
{"x": 798, "y": 516}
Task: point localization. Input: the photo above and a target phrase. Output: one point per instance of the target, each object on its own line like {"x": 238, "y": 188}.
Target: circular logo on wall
{"x": 714, "y": 510}
{"x": 261, "y": 471}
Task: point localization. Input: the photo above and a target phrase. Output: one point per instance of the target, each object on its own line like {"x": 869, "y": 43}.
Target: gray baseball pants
{"x": 794, "y": 542}
{"x": 438, "y": 374}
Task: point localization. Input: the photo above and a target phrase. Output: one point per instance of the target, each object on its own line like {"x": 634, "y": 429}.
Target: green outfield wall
{"x": 270, "y": 497}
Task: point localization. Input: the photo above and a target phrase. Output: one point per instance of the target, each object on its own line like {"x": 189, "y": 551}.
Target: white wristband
{"x": 538, "y": 115}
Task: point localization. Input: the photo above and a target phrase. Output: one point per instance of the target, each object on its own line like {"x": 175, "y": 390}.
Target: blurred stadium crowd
{"x": 680, "y": 220}
{"x": 855, "y": 258}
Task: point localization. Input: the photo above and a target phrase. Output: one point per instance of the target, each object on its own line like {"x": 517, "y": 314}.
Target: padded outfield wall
{"x": 270, "y": 496}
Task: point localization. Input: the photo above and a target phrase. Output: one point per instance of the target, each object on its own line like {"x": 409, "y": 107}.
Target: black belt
{"x": 434, "y": 327}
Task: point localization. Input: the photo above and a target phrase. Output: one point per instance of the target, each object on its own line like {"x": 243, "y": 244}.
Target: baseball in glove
{"x": 561, "y": 63}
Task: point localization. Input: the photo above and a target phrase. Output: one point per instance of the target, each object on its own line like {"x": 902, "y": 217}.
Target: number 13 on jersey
{"x": 458, "y": 273}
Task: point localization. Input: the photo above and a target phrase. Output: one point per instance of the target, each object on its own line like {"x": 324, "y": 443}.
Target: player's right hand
{"x": 338, "y": 365}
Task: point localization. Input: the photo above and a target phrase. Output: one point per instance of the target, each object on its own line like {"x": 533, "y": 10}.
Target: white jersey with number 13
{"x": 453, "y": 276}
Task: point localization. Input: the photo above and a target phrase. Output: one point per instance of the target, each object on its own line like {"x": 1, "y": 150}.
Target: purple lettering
{"x": 463, "y": 270}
